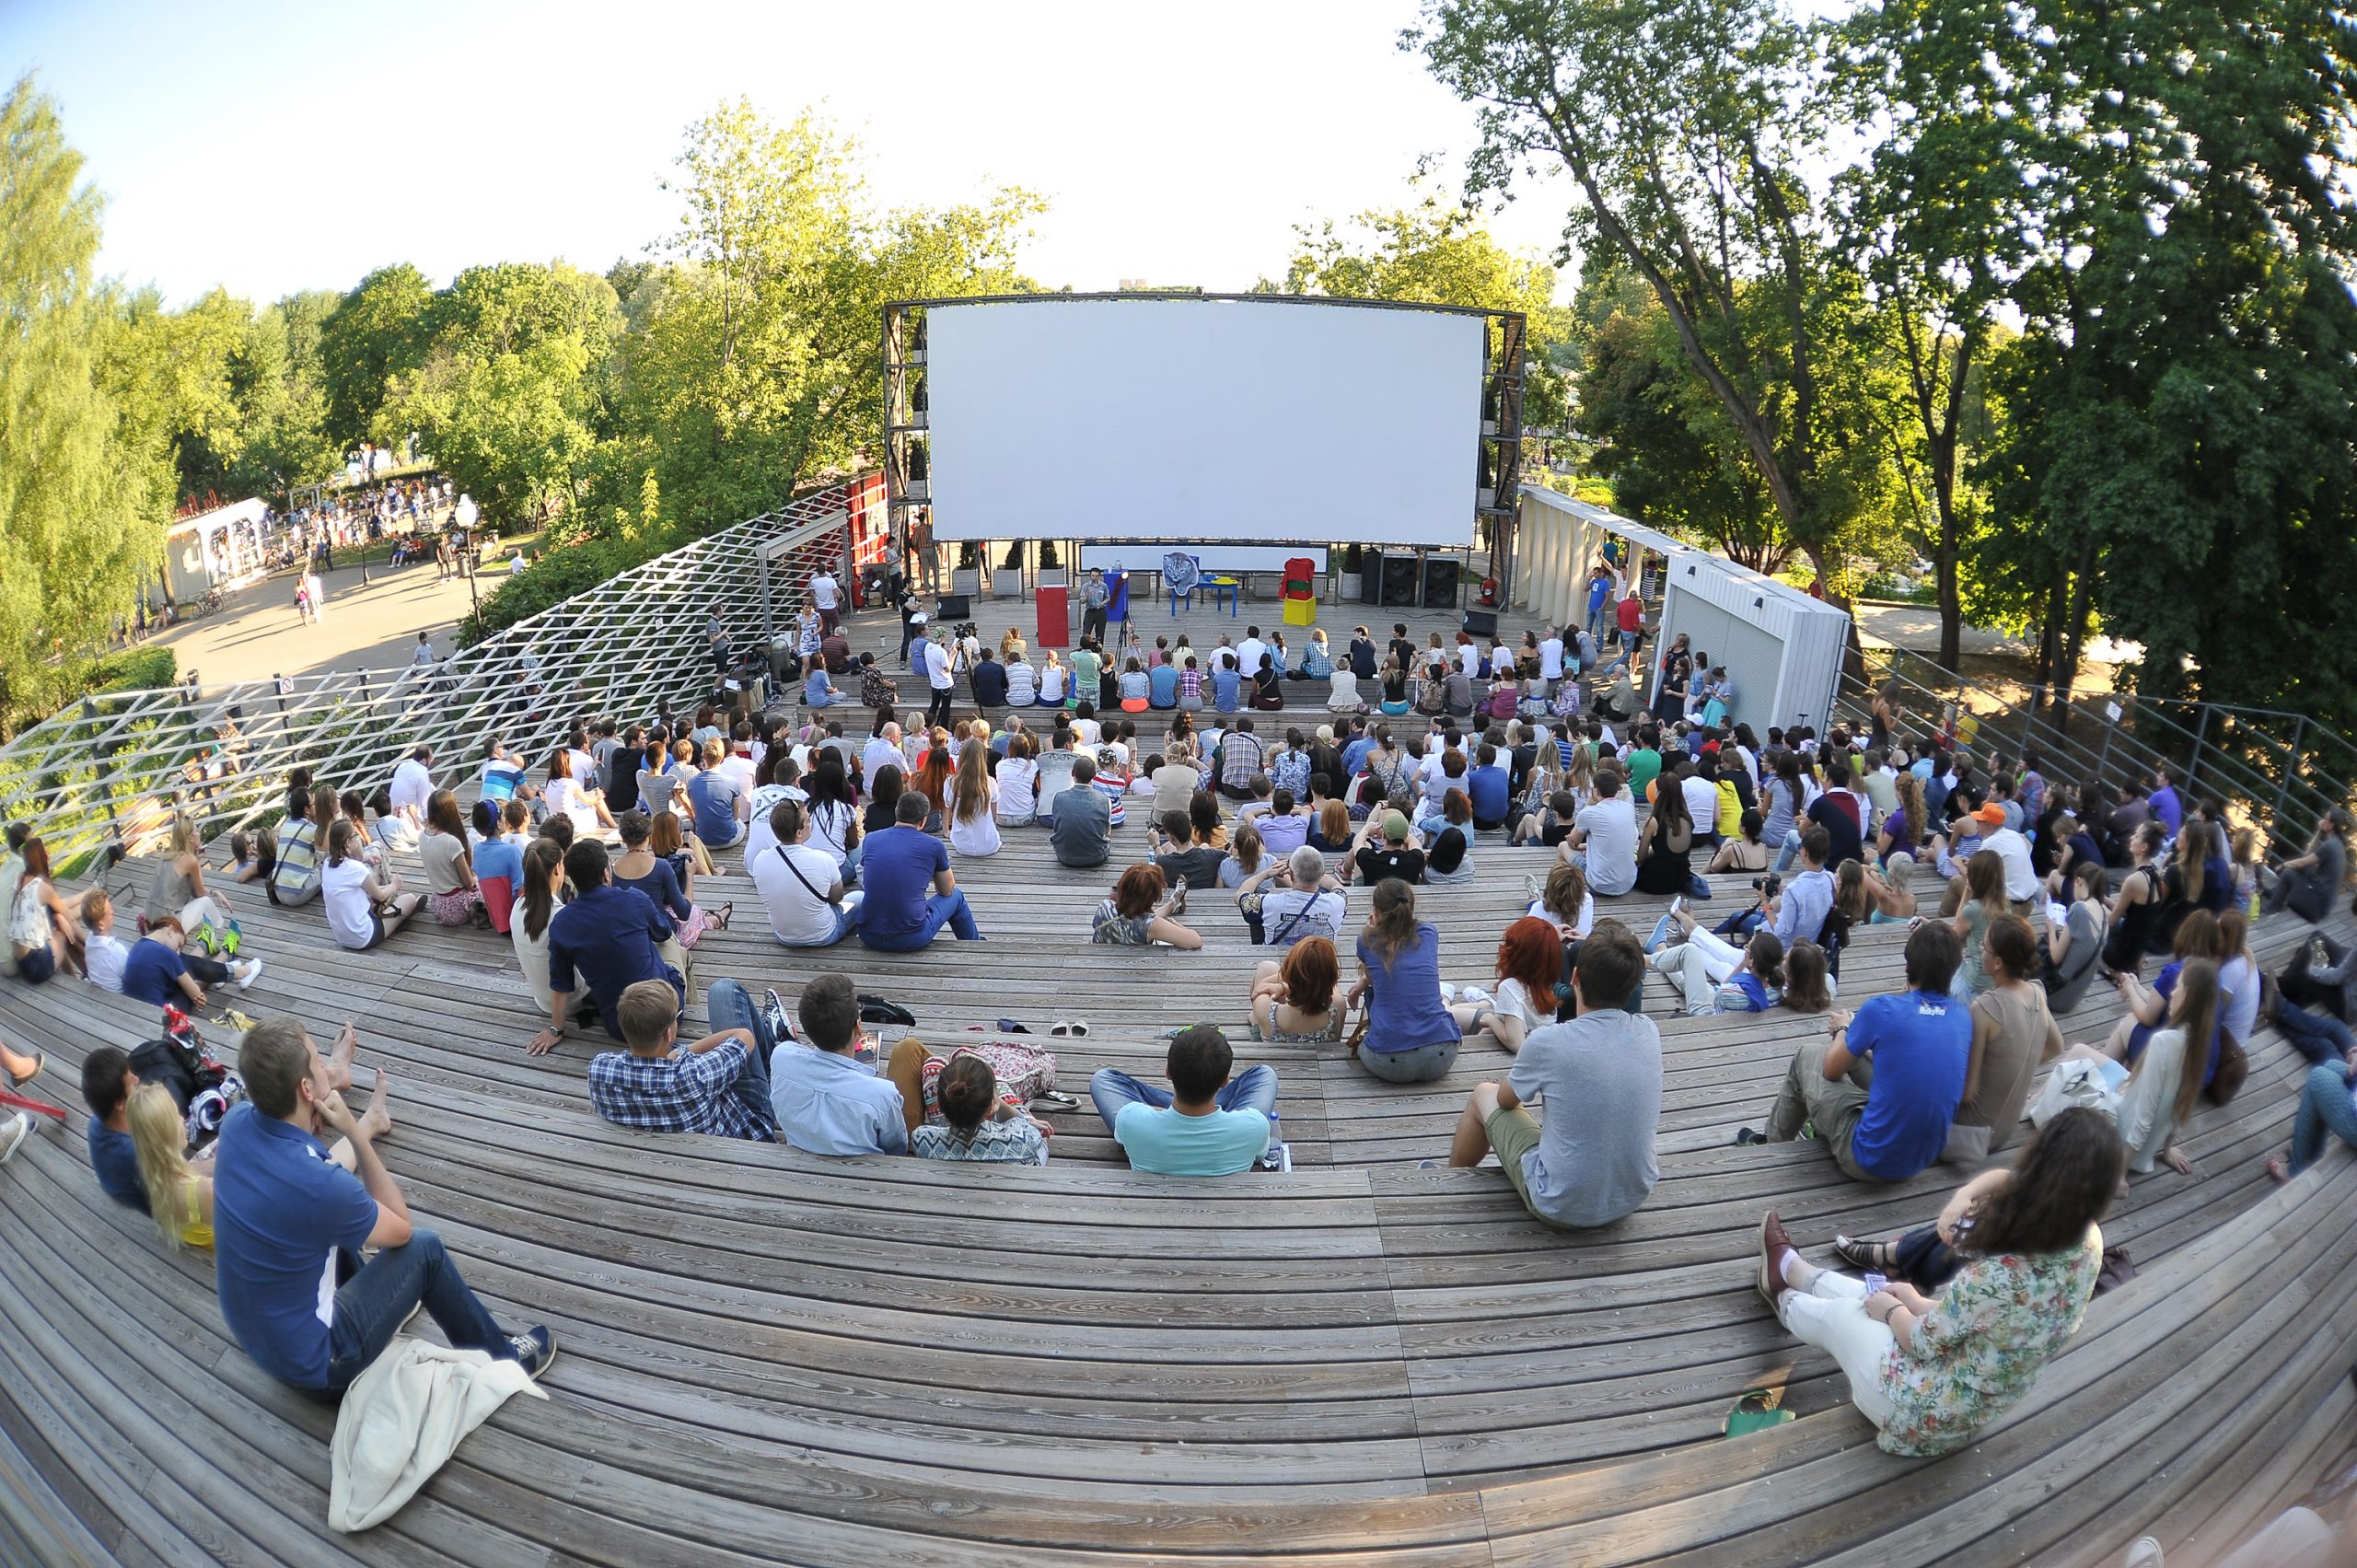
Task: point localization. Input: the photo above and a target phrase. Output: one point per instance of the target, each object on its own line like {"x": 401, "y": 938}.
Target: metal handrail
{"x": 116, "y": 767}
{"x": 2261, "y": 772}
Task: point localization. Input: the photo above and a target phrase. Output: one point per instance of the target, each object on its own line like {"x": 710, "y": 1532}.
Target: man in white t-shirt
{"x": 801, "y": 886}
{"x": 1701, "y": 803}
{"x": 1603, "y": 840}
{"x": 2009, "y": 845}
{"x": 1248, "y": 652}
{"x": 1550, "y": 658}
{"x": 827, "y": 595}
{"x": 413, "y": 784}
{"x": 939, "y": 665}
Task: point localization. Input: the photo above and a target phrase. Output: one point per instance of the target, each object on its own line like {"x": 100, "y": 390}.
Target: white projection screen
{"x": 1203, "y": 419}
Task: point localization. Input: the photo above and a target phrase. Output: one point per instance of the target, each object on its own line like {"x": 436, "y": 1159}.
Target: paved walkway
{"x": 257, "y": 634}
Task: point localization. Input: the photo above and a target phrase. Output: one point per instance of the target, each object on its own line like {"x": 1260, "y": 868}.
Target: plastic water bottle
{"x": 1272, "y": 1158}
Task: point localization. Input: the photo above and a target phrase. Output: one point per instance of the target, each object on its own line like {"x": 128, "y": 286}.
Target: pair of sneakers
{"x": 534, "y": 1350}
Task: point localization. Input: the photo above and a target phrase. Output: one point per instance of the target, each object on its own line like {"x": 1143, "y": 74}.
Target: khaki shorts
{"x": 1514, "y": 1133}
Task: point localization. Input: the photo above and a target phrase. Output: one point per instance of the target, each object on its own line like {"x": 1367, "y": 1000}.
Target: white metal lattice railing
{"x": 115, "y": 767}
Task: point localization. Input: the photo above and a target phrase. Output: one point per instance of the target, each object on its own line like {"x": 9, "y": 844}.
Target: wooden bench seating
{"x": 770, "y": 1357}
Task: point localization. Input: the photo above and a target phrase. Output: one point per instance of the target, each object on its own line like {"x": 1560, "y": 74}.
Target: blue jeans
{"x": 2319, "y": 1037}
{"x": 730, "y": 1006}
{"x": 1740, "y": 925}
{"x": 1791, "y": 852}
{"x": 2324, "y": 1108}
{"x": 1255, "y": 1089}
{"x": 942, "y": 909}
{"x": 373, "y": 1300}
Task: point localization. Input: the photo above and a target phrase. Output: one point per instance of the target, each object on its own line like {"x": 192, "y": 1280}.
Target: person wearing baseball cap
{"x": 2010, "y": 846}
{"x": 1396, "y": 855}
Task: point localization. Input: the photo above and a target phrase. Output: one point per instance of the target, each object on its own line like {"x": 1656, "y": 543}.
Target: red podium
{"x": 1055, "y": 615}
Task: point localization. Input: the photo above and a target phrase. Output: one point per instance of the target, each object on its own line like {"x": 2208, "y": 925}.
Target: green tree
{"x": 2180, "y": 412}
{"x": 1939, "y": 216}
{"x": 375, "y": 333}
{"x": 759, "y": 362}
{"x": 511, "y": 385}
{"x": 1683, "y": 126}
{"x": 1437, "y": 253}
{"x": 76, "y": 524}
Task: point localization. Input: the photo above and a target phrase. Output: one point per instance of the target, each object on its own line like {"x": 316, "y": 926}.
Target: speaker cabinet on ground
{"x": 1371, "y": 577}
{"x": 1440, "y": 582}
{"x": 1400, "y": 579}
{"x": 956, "y": 607}
{"x": 1481, "y": 623}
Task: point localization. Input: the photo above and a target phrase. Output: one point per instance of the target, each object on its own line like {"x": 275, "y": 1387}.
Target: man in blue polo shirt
{"x": 1911, "y": 1050}
{"x": 288, "y": 1222}
{"x": 609, "y": 937}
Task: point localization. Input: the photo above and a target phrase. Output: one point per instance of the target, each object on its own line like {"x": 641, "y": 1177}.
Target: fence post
{"x": 2201, "y": 735}
{"x": 2290, "y": 766}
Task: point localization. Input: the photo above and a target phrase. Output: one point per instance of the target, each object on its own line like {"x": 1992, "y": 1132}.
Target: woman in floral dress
{"x": 1930, "y": 1371}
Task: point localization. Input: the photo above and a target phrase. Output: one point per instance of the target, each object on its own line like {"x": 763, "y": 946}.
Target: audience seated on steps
{"x": 827, "y": 1099}
{"x": 1298, "y": 1002}
{"x": 540, "y": 894}
{"x": 452, "y": 892}
{"x": 1412, "y": 1038}
{"x": 718, "y": 1084}
{"x": 606, "y": 939}
{"x": 1137, "y": 914}
{"x": 1930, "y": 1372}
{"x": 2323, "y": 973}
{"x": 1081, "y": 819}
{"x": 1603, "y": 840}
{"x": 1881, "y": 1096}
{"x": 801, "y": 886}
{"x": 363, "y": 907}
{"x": 1206, "y": 1124}
{"x": 969, "y": 1105}
{"x": 289, "y": 1224}
{"x": 1590, "y": 1161}
{"x": 155, "y": 969}
{"x": 910, "y": 891}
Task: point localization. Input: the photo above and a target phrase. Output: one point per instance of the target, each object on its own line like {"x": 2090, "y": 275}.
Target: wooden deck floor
{"x": 771, "y": 1357}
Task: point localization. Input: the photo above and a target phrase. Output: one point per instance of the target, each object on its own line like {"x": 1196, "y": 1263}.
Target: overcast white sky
{"x": 276, "y": 144}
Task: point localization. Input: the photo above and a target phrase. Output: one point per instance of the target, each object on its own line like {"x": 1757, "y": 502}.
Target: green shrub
{"x": 559, "y": 575}
{"x": 137, "y": 669}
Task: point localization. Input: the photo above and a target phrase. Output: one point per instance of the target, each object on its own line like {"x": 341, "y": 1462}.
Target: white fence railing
{"x": 115, "y": 767}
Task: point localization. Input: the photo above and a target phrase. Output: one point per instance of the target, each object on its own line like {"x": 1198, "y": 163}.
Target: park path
{"x": 256, "y": 635}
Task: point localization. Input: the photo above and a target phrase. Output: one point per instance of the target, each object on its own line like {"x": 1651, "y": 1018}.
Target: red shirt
{"x": 1632, "y": 613}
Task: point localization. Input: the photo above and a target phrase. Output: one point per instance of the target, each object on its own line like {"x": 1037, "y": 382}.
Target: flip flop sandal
{"x": 1055, "y": 1100}
{"x": 1068, "y": 1029}
{"x": 721, "y": 920}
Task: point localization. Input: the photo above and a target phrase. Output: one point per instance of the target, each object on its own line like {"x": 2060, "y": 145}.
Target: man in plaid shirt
{"x": 1240, "y": 755}
{"x": 720, "y": 1085}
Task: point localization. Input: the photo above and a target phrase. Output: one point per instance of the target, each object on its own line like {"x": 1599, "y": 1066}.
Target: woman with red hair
{"x": 1530, "y": 961}
{"x": 1293, "y": 1003}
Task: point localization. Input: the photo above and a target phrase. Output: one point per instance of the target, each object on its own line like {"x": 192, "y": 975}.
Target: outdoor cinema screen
{"x": 1203, "y": 419}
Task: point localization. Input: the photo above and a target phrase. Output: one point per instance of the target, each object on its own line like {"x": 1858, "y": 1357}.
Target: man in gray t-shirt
{"x": 1603, "y": 838}
{"x": 1590, "y": 1160}
{"x": 1081, "y": 822}
{"x": 2309, "y": 883}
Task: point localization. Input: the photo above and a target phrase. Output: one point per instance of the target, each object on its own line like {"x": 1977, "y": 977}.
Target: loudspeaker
{"x": 1400, "y": 579}
{"x": 1481, "y": 623}
{"x": 1440, "y": 581}
{"x": 956, "y": 607}
{"x": 1371, "y": 577}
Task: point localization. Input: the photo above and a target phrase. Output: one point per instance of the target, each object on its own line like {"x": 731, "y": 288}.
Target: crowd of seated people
{"x": 848, "y": 823}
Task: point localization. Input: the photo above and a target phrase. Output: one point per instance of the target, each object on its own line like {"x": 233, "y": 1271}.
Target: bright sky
{"x": 276, "y": 144}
